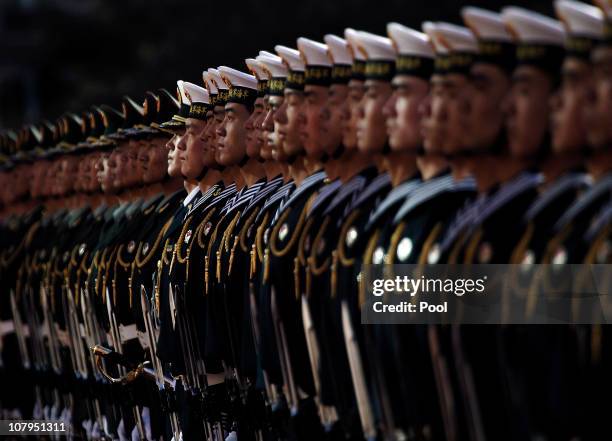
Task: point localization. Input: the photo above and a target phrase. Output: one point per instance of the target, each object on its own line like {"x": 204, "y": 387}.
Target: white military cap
{"x": 495, "y": 42}
{"x": 317, "y": 60}
{"x": 235, "y": 78}
{"x": 273, "y": 65}
{"x": 195, "y": 93}
{"x": 242, "y": 86}
{"x": 210, "y": 85}
{"x": 184, "y": 102}
{"x": 291, "y": 57}
{"x": 456, "y": 38}
{"x": 278, "y": 73}
{"x": 257, "y": 69}
{"x": 540, "y": 39}
{"x": 415, "y": 52}
{"x": 410, "y": 42}
{"x": 180, "y": 87}
{"x": 429, "y": 27}
{"x": 375, "y": 47}
{"x": 351, "y": 38}
{"x": 380, "y": 56}
{"x": 340, "y": 54}
{"x": 313, "y": 52}
{"x": 222, "y": 88}
{"x": 267, "y": 53}
{"x": 215, "y": 77}
{"x": 581, "y": 19}
{"x": 199, "y": 98}
{"x": 338, "y": 49}
{"x": 531, "y": 27}
{"x": 296, "y": 76}
{"x": 261, "y": 73}
{"x": 486, "y": 25}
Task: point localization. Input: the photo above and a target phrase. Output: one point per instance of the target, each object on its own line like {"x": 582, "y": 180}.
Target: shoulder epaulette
{"x": 396, "y": 195}
{"x": 602, "y": 219}
{"x": 524, "y": 182}
{"x": 347, "y": 193}
{"x": 308, "y": 184}
{"x": 596, "y": 191}
{"x": 374, "y": 187}
{"x": 571, "y": 181}
{"x": 324, "y": 196}
{"x": 462, "y": 220}
{"x": 430, "y": 190}
{"x": 279, "y": 197}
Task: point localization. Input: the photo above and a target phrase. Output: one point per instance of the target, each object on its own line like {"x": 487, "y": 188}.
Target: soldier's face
{"x": 287, "y": 117}
{"x": 68, "y": 173}
{"x": 174, "y": 161}
{"x": 568, "y": 104}
{"x": 371, "y": 127}
{"x": 266, "y": 133}
{"x": 598, "y": 122}
{"x": 356, "y": 89}
{"x": 445, "y": 116}
{"x": 191, "y": 148}
{"x": 119, "y": 167}
{"x": 211, "y": 132}
{"x": 527, "y": 109}
{"x": 231, "y": 144}
{"x": 105, "y": 176}
{"x": 90, "y": 173}
{"x": 335, "y": 113}
{"x": 156, "y": 166}
{"x": 311, "y": 118}
{"x": 489, "y": 86}
{"x": 209, "y": 148}
{"x": 402, "y": 111}
{"x": 253, "y": 127}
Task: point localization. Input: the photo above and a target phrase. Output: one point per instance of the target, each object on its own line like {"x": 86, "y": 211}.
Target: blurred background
{"x": 58, "y": 55}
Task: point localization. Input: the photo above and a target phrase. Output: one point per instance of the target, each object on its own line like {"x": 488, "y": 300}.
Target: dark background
{"x": 58, "y": 55}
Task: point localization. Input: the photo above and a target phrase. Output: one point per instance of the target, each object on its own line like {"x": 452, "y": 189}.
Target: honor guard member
{"x": 274, "y": 133}
{"x": 356, "y": 90}
{"x": 254, "y": 137}
{"x": 598, "y": 135}
{"x": 571, "y": 242}
{"x": 563, "y": 170}
{"x": 309, "y": 280}
{"x": 597, "y": 125}
{"x": 413, "y": 403}
{"x": 283, "y": 342}
{"x": 185, "y": 288}
{"x": 227, "y": 299}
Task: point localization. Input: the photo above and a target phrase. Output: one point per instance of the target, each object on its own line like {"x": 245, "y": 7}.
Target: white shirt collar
{"x": 192, "y": 194}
